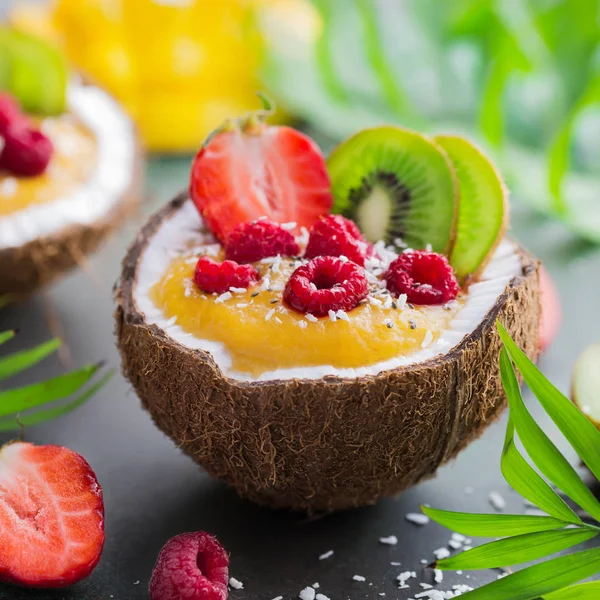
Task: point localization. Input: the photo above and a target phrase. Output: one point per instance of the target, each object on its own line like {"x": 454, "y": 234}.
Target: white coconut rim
{"x": 93, "y": 200}
{"x": 183, "y": 227}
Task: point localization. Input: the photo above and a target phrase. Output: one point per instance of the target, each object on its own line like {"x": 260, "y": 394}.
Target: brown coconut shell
{"x": 24, "y": 269}
{"x": 331, "y": 443}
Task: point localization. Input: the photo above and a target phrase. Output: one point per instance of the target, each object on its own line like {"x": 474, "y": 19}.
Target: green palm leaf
{"x": 578, "y": 430}
{"x": 583, "y": 591}
{"x": 541, "y": 579}
{"x": 540, "y": 448}
{"x": 518, "y": 549}
{"x": 492, "y": 525}
{"x": 20, "y": 361}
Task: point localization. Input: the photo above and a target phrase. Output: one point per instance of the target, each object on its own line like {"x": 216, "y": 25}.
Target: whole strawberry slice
{"x": 248, "y": 170}
{"x": 51, "y": 516}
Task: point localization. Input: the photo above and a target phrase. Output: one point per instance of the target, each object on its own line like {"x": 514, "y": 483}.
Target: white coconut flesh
{"x": 184, "y": 228}
{"x": 94, "y": 199}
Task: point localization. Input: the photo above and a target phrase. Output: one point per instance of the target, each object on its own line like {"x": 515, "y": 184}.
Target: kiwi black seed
{"x": 396, "y": 183}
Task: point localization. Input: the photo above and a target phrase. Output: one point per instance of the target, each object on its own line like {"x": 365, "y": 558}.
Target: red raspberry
{"x": 26, "y": 152}
{"x": 335, "y": 235}
{"x": 250, "y": 242}
{"x": 326, "y": 283}
{"x": 213, "y": 277}
{"x": 10, "y": 112}
{"x": 190, "y": 566}
{"x": 425, "y": 278}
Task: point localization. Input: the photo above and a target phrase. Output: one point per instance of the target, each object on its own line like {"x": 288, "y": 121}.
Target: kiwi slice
{"x": 33, "y": 71}
{"x": 585, "y": 389}
{"x": 396, "y": 183}
{"x": 483, "y": 207}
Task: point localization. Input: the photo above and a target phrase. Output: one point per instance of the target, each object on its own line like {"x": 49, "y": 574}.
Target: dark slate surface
{"x": 153, "y": 492}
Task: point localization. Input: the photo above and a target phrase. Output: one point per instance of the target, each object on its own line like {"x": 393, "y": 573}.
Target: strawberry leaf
{"x": 492, "y": 525}
{"x": 518, "y": 549}
{"x": 542, "y": 451}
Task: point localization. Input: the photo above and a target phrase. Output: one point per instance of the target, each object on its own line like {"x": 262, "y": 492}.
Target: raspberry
{"x": 425, "y": 278}
{"x": 213, "y": 277}
{"x": 335, "y": 235}
{"x": 26, "y": 152}
{"x": 326, "y": 283}
{"x": 190, "y": 566}
{"x": 250, "y": 242}
{"x": 10, "y": 112}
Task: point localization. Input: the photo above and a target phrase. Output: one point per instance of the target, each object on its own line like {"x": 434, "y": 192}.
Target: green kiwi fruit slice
{"x": 33, "y": 71}
{"x": 396, "y": 183}
{"x": 585, "y": 389}
{"x": 483, "y": 206}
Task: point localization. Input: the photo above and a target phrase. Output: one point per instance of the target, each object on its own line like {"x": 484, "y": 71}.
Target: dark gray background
{"x": 153, "y": 492}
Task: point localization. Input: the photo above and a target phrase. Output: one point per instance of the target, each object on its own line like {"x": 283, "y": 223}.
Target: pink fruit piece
{"x": 51, "y": 516}
{"x": 551, "y": 316}
{"x": 190, "y": 566}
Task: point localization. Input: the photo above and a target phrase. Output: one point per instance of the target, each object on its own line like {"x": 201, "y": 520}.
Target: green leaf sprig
{"x": 16, "y": 404}
{"x": 525, "y": 538}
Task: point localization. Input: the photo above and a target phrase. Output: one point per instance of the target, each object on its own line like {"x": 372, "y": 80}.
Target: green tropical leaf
{"x": 7, "y": 335}
{"x": 559, "y": 155}
{"x": 524, "y": 479}
{"x": 583, "y": 591}
{"x": 329, "y": 75}
{"x": 41, "y": 416}
{"x": 492, "y": 525}
{"x": 541, "y": 579}
{"x": 22, "y": 399}
{"x": 542, "y": 451}
{"x": 377, "y": 58}
{"x": 518, "y": 549}
{"x": 578, "y": 430}
{"x": 20, "y": 361}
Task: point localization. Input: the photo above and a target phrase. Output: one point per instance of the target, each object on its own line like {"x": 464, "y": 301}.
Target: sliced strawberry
{"x": 51, "y": 516}
{"x": 252, "y": 170}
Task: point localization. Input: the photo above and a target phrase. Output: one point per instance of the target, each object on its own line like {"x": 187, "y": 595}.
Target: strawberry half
{"x": 51, "y": 516}
{"x": 249, "y": 169}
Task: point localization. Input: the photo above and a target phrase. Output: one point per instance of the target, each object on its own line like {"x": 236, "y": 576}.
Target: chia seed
{"x": 273, "y": 301}
{"x": 412, "y": 324}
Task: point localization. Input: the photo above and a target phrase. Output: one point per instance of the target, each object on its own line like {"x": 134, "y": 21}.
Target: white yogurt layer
{"x": 184, "y": 227}
{"x": 92, "y": 201}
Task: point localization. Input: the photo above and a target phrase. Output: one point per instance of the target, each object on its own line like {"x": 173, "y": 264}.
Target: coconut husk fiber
{"x": 332, "y": 443}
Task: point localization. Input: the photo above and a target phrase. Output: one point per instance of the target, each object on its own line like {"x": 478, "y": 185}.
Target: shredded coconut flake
{"x": 223, "y": 297}
{"x": 427, "y": 339}
{"x": 332, "y": 316}
{"x": 288, "y": 226}
{"x": 235, "y": 583}
{"x": 342, "y": 315}
{"x": 441, "y": 553}
{"x": 269, "y": 314}
{"x": 307, "y": 593}
{"x": 358, "y": 578}
{"x": 236, "y": 290}
{"x": 417, "y": 518}
{"x": 321, "y": 597}
{"x": 326, "y": 555}
{"x": 311, "y": 318}
{"x": 497, "y": 501}
{"x": 391, "y": 540}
